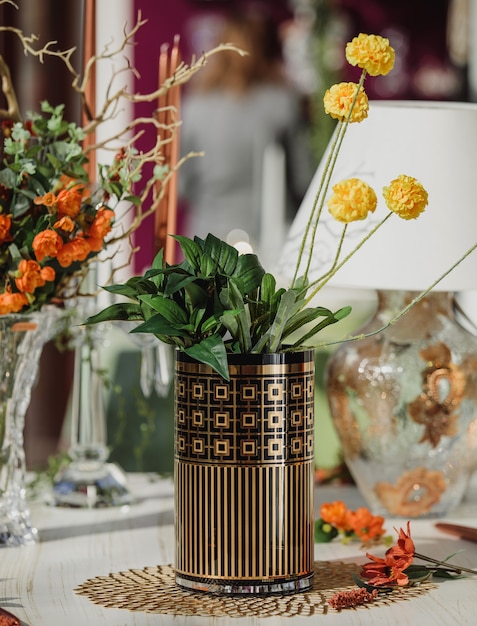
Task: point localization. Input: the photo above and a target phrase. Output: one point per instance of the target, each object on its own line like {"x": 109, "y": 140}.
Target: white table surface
{"x": 37, "y": 583}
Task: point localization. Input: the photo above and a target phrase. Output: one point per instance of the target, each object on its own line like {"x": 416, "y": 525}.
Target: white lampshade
{"x": 433, "y": 142}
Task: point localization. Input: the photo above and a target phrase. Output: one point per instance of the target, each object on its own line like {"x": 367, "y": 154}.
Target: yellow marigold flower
{"x": 371, "y": 53}
{"x": 338, "y": 101}
{"x": 352, "y": 200}
{"x": 406, "y": 197}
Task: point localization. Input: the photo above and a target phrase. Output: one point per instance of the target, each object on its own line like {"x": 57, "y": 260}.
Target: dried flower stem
{"x": 353, "y": 597}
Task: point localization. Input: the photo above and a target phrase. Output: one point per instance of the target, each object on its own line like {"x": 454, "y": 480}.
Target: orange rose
{"x": 68, "y": 202}
{"x": 30, "y": 277}
{"x": 47, "y": 243}
{"x": 101, "y": 225}
{"x": 12, "y": 302}
{"x": 5, "y": 224}
{"x": 100, "y": 228}
{"x": 75, "y": 250}
{"x": 48, "y": 274}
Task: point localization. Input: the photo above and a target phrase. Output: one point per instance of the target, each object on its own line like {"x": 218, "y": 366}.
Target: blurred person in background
{"x": 236, "y": 108}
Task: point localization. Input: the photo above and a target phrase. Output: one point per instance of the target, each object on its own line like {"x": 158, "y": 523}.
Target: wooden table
{"x": 37, "y": 583}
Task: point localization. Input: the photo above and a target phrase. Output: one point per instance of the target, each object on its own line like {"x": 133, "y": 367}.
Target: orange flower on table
{"x": 336, "y": 514}
{"x": 365, "y": 525}
{"x": 5, "y": 225}
{"x": 75, "y": 250}
{"x": 100, "y": 227}
{"x": 12, "y": 302}
{"x": 390, "y": 570}
{"x": 31, "y": 276}
{"x": 47, "y": 243}
{"x": 405, "y": 545}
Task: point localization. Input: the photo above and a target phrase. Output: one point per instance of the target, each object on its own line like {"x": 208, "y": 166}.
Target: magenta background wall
{"x": 166, "y": 18}
{"x": 187, "y": 18}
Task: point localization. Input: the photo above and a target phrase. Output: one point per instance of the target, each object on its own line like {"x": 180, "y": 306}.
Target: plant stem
{"x": 401, "y": 313}
{"x": 319, "y": 201}
{"x": 453, "y": 568}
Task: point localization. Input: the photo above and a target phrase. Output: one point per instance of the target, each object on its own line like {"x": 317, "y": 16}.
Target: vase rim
{"x": 267, "y": 358}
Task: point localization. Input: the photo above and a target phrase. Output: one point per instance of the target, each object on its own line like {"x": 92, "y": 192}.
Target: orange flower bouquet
{"x": 50, "y": 220}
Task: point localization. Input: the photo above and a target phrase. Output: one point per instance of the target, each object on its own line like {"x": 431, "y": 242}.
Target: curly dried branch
{"x": 126, "y": 137}
{"x": 183, "y": 74}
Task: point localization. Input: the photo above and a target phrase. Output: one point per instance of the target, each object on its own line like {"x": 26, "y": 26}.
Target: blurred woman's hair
{"x": 256, "y": 34}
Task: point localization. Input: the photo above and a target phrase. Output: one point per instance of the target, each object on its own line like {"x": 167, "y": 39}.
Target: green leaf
{"x": 285, "y": 310}
{"x": 158, "y": 261}
{"x": 159, "y": 325}
{"x": 133, "y": 288}
{"x": 240, "y": 327}
{"x": 191, "y": 250}
{"x": 324, "y": 532}
{"x": 117, "y": 312}
{"x": 248, "y": 273}
{"x": 418, "y": 573}
{"x": 267, "y": 288}
{"x": 8, "y": 178}
{"x": 331, "y": 318}
{"x": 211, "y": 351}
{"x": 223, "y": 254}
{"x": 169, "y": 309}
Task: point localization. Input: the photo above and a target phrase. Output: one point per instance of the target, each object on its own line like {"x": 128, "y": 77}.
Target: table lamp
{"x": 403, "y": 400}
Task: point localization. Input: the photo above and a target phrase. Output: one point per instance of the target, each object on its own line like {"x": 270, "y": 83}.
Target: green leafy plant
{"x": 216, "y": 302}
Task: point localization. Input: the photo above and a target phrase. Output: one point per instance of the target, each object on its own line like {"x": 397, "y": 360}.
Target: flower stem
{"x": 319, "y": 201}
{"x": 401, "y": 313}
{"x": 319, "y": 284}
{"x": 448, "y": 566}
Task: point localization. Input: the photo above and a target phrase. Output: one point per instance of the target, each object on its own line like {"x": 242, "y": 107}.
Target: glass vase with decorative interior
{"x": 403, "y": 403}
{"x": 22, "y": 337}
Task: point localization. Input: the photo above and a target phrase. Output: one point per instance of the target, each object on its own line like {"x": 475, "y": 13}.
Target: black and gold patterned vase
{"x": 244, "y": 470}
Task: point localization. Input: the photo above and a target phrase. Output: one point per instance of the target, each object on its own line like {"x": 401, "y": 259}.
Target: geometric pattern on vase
{"x": 244, "y": 473}
{"x": 261, "y": 416}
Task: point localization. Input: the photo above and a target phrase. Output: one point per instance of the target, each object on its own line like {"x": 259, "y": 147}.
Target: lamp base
{"x": 403, "y": 402}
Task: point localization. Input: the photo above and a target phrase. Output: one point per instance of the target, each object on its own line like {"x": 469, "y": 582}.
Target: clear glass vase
{"x": 22, "y": 337}
{"x": 89, "y": 481}
{"x": 404, "y": 402}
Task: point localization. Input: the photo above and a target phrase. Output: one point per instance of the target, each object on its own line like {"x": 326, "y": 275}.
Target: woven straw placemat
{"x": 153, "y": 590}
